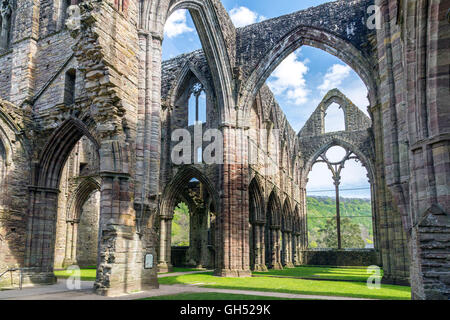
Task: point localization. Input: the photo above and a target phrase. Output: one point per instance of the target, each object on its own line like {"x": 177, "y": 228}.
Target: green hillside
{"x": 356, "y": 222}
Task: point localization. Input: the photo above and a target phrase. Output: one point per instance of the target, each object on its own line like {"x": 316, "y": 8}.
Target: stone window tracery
{"x": 342, "y": 224}
{"x": 197, "y": 109}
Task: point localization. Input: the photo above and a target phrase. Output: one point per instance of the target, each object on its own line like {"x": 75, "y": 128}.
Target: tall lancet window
{"x": 197, "y": 104}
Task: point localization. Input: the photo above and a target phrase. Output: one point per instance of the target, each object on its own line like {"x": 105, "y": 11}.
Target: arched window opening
{"x": 197, "y": 105}
{"x": 304, "y": 77}
{"x": 70, "y": 87}
{"x": 339, "y": 210}
{"x": 356, "y": 205}
{"x": 189, "y": 230}
{"x": 78, "y": 215}
{"x": 6, "y": 11}
{"x": 334, "y": 119}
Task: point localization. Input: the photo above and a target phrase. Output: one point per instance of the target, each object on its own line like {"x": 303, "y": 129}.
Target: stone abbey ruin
{"x": 88, "y": 110}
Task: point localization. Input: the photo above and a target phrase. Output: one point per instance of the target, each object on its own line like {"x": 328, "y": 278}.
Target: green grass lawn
{"x": 322, "y": 272}
{"x": 87, "y": 274}
{"x": 213, "y": 296}
{"x": 289, "y": 285}
{"x": 176, "y": 269}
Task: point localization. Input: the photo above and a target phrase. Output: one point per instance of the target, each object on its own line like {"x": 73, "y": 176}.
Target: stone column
{"x": 204, "y": 240}
{"x": 263, "y": 248}
{"x": 73, "y": 253}
{"x": 41, "y": 230}
{"x": 276, "y": 249}
{"x": 259, "y": 247}
{"x": 165, "y": 245}
{"x": 70, "y": 257}
{"x": 67, "y": 252}
{"x": 233, "y": 237}
{"x": 121, "y": 248}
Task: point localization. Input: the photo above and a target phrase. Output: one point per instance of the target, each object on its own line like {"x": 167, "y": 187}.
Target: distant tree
{"x": 180, "y": 226}
{"x": 350, "y": 234}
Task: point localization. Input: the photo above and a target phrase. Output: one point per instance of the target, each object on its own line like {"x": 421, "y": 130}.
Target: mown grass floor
{"x": 89, "y": 273}
{"x": 86, "y": 274}
{"x": 322, "y": 272}
{"x": 176, "y": 269}
{"x": 289, "y": 285}
{"x": 213, "y": 296}
{"x": 274, "y": 281}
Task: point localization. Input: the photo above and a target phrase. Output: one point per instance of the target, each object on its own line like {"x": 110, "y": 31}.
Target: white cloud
{"x": 177, "y": 24}
{"x": 289, "y": 79}
{"x": 243, "y": 16}
{"x": 334, "y": 77}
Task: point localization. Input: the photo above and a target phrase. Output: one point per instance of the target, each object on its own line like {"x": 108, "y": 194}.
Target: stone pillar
{"x": 297, "y": 249}
{"x": 67, "y": 252}
{"x": 41, "y": 230}
{"x": 262, "y": 261}
{"x": 70, "y": 257}
{"x": 233, "y": 236}
{"x": 121, "y": 248}
{"x": 73, "y": 253}
{"x": 259, "y": 247}
{"x": 204, "y": 240}
{"x": 276, "y": 249}
{"x": 287, "y": 244}
{"x": 164, "y": 264}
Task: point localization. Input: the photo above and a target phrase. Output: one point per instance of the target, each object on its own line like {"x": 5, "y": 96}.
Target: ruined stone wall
{"x": 117, "y": 54}
{"x": 14, "y": 179}
{"x": 412, "y": 48}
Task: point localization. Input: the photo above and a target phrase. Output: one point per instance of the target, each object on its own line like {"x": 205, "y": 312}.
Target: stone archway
{"x": 173, "y": 193}
{"x": 76, "y": 225}
{"x": 273, "y": 232}
{"x": 286, "y": 235}
{"x": 44, "y": 199}
{"x": 257, "y": 223}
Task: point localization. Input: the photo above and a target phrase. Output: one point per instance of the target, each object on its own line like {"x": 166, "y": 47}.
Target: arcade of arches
{"x": 88, "y": 111}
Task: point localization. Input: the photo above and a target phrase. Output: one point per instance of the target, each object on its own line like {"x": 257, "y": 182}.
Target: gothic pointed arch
{"x": 214, "y": 40}
{"x": 174, "y": 188}
{"x": 257, "y": 210}
{"x": 79, "y": 197}
{"x": 57, "y": 150}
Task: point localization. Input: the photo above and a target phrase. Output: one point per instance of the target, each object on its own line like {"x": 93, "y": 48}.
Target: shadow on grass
{"x": 295, "y": 286}
{"x": 322, "y": 272}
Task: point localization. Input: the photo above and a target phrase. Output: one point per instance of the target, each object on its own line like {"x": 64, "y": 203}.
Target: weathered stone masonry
{"x": 102, "y": 86}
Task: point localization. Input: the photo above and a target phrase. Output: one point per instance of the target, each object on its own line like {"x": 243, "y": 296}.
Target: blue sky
{"x": 299, "y": 83}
